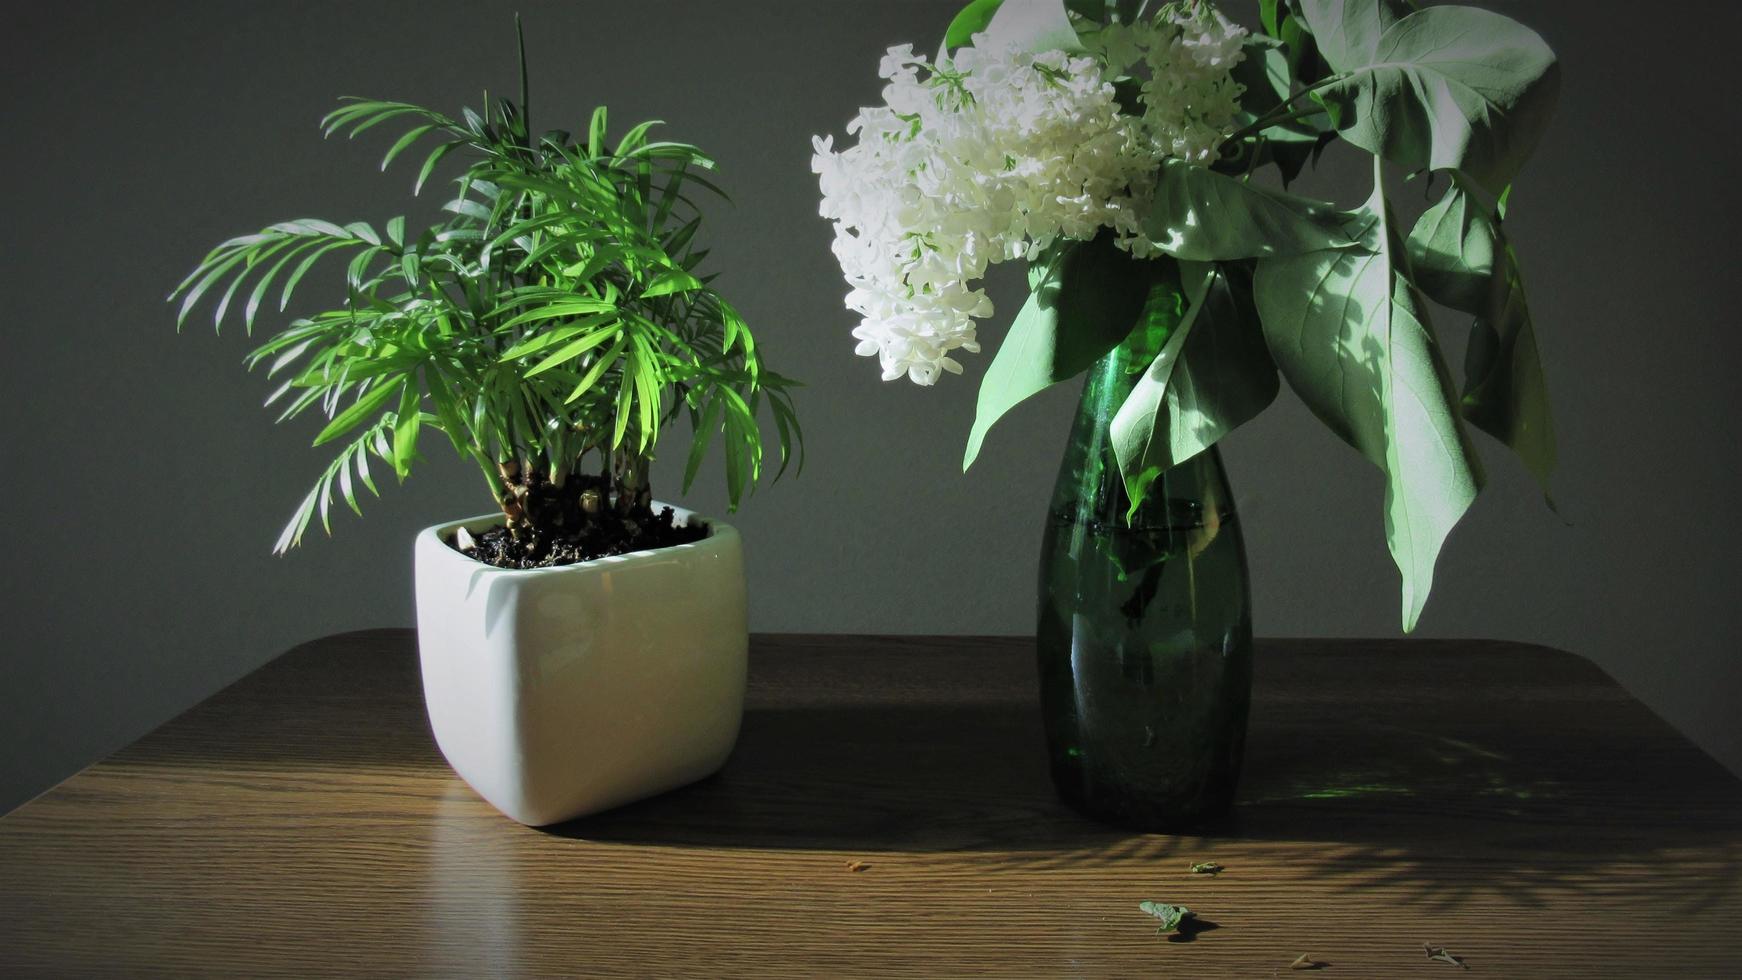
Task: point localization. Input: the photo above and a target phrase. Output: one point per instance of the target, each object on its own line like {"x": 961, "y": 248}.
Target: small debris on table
{"x": 1305, "y": 962}
{"x": 858, "y": 865}
{"x": 1170, "y": 916}
{"x": 1207, "y": 868}
{"x": 1443, "y": 955}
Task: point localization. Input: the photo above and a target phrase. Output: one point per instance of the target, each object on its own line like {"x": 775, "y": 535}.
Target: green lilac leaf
{"x": 1445, "y": 88}
{"x": 970, "y": 20}
{"x": 1351, "y": 336}
{"x": 1461, "y": 258}
{"x": 1452, "y": 250}
{"x": 1170, "y": 916}
{"x": 1505, "y": 393}
{"x": 1211, "y": 376}
{"x": 1262, "y": 74}
{"x": 1267, "y": 16}
{"x": 1304, "y": 60}
{"x": 1202, "y": 216}
{"x": 1082, "y": 305}
{"x": 1034, "y": 25}
{"x": 1348, "y": 31}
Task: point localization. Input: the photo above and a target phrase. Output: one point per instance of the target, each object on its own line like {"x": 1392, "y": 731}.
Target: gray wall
{"x": 143, "y": 484}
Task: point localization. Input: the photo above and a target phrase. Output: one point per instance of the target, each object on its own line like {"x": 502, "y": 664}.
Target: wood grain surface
{"x": 1509, "y": 803}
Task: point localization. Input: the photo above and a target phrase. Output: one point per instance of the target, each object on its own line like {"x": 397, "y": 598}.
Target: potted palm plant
{"x": 582, "y": 645}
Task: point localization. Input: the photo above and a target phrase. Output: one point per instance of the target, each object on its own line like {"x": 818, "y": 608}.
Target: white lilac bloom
{"x": 1190, "y": 99}
{"x": 995, "y": 153}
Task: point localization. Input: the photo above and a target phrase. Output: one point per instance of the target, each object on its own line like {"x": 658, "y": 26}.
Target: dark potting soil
{"x": 598, "y": 538}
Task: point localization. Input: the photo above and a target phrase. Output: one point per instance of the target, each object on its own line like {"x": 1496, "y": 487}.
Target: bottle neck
{"x": 1112, "y": 379}
{"x": 1090, "y": 487}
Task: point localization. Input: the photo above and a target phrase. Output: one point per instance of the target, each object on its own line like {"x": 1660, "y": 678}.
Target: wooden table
{"x": 1510, "y": 803}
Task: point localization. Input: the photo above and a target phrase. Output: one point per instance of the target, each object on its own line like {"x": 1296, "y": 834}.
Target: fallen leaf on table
{"x": 1207, "y": 868}
{"x": 1169, "y": 915}
{"x": 1305, "y": 962}
{"x": 1444, "y": 955}
{"x": 858, "y": 865}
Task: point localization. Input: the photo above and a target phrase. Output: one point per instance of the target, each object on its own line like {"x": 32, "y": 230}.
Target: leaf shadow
{"x": 1190, "y": 929}
{"x": 1455, "y": 774}
{"x": 1435, "y": 803}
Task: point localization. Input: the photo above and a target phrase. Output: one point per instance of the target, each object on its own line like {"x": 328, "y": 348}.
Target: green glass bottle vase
{"x": 1145, "y": 634}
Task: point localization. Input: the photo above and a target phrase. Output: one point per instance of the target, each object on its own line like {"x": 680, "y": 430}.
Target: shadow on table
{"x": 1449, "y": 819}
{"x": 852, "y": 777}
{"x": 1440, "y": 804}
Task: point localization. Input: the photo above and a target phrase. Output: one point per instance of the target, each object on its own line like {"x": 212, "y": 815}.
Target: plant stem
{"x": 629, "y": 479}
{"x": 525, "y": 89}
{"x": 1283, "y": 112}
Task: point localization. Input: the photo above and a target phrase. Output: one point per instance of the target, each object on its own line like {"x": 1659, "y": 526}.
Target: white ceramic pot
{"x": 559, "y": 692}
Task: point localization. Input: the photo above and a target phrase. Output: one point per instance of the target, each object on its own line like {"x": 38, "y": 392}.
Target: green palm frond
{"x": 558, "y": 310}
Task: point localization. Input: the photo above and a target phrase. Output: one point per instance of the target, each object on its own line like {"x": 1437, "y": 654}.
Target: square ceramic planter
{"x": 559, "y": 692}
